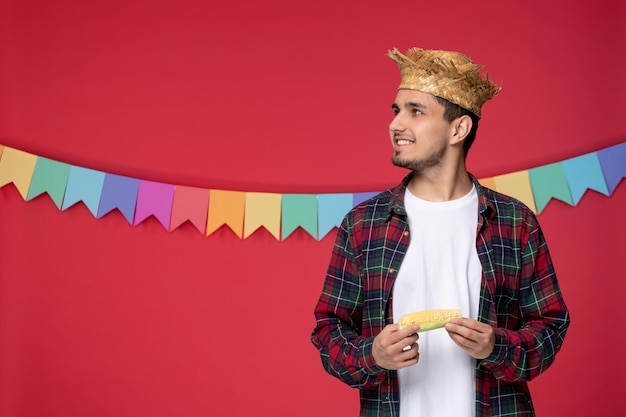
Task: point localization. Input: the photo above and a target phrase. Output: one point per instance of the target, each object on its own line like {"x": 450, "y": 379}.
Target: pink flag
{"x": 154, "y": 198}
{"x": 190, "y": 204}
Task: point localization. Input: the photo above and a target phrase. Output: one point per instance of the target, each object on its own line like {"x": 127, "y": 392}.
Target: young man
{"x": 440, "y": 240}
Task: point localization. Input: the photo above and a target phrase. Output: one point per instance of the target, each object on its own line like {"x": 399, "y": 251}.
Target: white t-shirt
{"x": 440, "y": 270}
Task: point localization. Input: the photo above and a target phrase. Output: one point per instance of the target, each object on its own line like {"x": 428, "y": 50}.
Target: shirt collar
{"x": 486, "y": 207}
{"x": 485, "y": 204}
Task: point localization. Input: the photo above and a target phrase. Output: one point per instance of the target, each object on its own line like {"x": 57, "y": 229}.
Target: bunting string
{"x": 280, "y": 214}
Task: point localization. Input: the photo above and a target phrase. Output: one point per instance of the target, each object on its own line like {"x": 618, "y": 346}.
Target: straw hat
{"x": 445, "y": 74}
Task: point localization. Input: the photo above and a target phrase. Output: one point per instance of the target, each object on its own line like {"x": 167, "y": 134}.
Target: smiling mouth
{"x": 402, "y": 140}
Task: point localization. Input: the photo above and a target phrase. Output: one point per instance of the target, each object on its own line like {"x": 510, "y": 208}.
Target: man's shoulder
{"x": 504, "y": 206}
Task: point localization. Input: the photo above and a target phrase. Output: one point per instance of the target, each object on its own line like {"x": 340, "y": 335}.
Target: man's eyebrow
{"x": 410, "y": 105}
{"x": 413, "y": 104}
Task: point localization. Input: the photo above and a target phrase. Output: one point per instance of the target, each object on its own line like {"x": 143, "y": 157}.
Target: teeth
{"x": 402, "y": 142}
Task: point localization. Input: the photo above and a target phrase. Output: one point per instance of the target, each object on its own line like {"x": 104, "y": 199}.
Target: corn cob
{"x": 428, "y": 319}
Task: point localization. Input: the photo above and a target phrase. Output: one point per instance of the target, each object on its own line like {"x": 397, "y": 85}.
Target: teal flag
{"x": 549, "y": 181}
{"x": 49, "y": 177}
{"x": 299, "y": 210}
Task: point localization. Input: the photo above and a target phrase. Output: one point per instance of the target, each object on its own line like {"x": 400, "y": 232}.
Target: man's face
{"x": 419, "y": 133}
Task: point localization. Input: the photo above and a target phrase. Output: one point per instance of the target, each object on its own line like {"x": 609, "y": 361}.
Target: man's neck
{"x": 440, "y": 185}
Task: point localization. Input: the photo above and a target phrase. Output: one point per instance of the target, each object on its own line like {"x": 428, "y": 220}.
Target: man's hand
{"x": 395, "y": 349}
{"x": 474, "y": 337}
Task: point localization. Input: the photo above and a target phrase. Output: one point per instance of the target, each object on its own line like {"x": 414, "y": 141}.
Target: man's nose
{"x": 396, "y": 124}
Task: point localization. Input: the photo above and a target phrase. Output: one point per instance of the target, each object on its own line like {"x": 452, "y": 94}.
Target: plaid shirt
{"x": 520, "y": 298}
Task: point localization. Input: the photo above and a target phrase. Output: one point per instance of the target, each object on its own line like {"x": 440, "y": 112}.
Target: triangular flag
{"x": 488, "y": 182}
{"x": 119, "y": 192}
{"x": 49, "y": 177}
{"x": 331, "y": 209}
{"x": 549, "y": 181}
{"x": 584, "y": 172}
{"x": 613, "y": 162}
{"x": 516, "y": 185}
{"x": 226, "y": 208}
{"x": 262, "y": 209}
{"x": 154, "y": 199}
{"x": 83, "y": 185}
{"x": 358, "y": 198}
{"x": 17, "y": 167}
{"x": 299, "y": 210}
{"x": 190, "y": 204}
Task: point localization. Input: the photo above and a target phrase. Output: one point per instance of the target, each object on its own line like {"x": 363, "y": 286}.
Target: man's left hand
{"x": 474, "y": 337}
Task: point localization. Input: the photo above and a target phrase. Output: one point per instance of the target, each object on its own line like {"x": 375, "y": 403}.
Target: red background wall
{"x": 101, "y": 318}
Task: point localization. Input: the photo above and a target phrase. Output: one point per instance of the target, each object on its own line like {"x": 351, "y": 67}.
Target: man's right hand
{"x": 396, "y": 349}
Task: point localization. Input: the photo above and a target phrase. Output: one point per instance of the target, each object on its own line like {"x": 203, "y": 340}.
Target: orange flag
{"x": 226, "y": 208}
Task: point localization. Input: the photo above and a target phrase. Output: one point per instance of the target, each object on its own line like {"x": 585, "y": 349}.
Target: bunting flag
{"x": 84, "y": 185}
{"x": 516, "y": 184}
{"x": 549, "y": 181}
{"x": 49, "y": 177}
{"x": 280, "y": 214}
{"x": 190, "y": 204}
{"x": 584, "y": 172}
{"x": 262, "y": 209}
{"x": 154, "y": 199}
{"x": 17, "y": 167}
{"x": 226, "y": 208}
{"x": 299, "y": 210}
{"x": 330, "y": 211}
{"x": 613, "y": 163}
{"x": 119, "y": 193}
{"x": 361, "y": 197}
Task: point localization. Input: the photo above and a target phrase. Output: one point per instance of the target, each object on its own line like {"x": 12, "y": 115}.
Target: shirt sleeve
{"x": 522, "y": 354}
{"x": 345, "y": 353}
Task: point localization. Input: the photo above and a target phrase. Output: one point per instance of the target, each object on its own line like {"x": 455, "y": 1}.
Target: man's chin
{"x": 400, "y": 162}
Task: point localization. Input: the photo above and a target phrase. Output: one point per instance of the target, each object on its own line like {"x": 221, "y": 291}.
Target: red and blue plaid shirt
{"x": 520, "y": 298}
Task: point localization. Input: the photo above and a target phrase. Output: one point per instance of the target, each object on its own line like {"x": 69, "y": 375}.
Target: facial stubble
{"x": 417, "y": 164}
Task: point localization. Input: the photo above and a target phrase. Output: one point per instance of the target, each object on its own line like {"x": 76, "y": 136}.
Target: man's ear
{"x": 461, "y": 128}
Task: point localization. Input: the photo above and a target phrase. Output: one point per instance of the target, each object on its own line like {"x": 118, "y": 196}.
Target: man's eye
{"x": 416, "y": 111}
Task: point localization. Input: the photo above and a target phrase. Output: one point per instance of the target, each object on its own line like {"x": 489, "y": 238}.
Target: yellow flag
{"x": 17, "y": 167}
{"x": 262, "y": 209}
{"x": 517, "y": 185}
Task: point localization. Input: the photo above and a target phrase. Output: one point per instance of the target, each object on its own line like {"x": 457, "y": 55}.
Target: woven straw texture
{"x": 445, "y": 74}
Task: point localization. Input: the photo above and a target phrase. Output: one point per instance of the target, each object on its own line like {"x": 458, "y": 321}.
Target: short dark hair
{"x": 454, "y": 111}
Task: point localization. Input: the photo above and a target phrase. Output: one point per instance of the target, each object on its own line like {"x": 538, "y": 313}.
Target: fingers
{"x": 470, "y": 324}
{"x": 395, "y": 349}
{"x": 476, "y": 338}
{"x": 407, "y": 332}
{"x": 397, "y": 340}
{"x": 410, "y": 355}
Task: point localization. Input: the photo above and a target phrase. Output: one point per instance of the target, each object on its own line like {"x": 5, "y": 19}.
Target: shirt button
{"x": 406, "y": 233}
{"x": 391, "y": 270}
